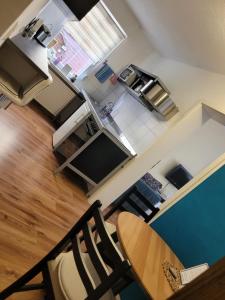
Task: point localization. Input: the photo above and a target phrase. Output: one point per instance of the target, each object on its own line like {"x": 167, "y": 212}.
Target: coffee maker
{"x": 37, "y": 30}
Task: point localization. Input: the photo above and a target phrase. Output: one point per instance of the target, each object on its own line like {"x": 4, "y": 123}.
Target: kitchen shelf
{"x": 77, "y": 138}
{"x": 151, "y": 92}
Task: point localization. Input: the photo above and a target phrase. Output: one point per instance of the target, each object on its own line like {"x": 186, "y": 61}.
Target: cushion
{"x": 151, "y": 195}
{"x": 66, "y": 281}
{"x": 111, "y": 228}
{"x": 152, "y": 182}
{"x": 32, "y": 83}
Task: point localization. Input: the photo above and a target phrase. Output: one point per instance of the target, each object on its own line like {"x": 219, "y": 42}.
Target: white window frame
{"x": 103, "y": 59}
{"x": 94, "y": 66}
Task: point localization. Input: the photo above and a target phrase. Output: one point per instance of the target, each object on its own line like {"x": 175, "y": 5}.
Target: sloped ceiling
{"x": 191, "y": 31}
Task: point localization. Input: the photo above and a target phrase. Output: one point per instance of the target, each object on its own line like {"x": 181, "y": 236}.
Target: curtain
{"x": 98, "y": 33}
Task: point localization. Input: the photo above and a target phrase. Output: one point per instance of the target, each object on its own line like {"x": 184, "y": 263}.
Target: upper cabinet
{"x": 80, "y": 8}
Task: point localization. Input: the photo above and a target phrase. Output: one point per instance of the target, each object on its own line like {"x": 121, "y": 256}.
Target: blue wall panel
{"x": 195, "y": 226}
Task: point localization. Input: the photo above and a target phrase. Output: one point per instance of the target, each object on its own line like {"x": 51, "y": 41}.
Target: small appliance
{"x": 31, "y": 29}
{"x": 42, "y": 33}
{"x": 128, "y": 76}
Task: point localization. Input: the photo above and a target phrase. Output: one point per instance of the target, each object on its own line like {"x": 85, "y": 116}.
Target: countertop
{"x": 109, "y": 123}
{"x": 129, "y": 122}
{"x": 129, "y": 119}
{"x": 89, "y": 107}
{"x": 33, "y": 51}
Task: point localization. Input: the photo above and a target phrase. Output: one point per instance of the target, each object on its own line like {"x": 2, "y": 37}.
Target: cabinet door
{"x": 55, "y": 97}
{"x": 99, "y": 158}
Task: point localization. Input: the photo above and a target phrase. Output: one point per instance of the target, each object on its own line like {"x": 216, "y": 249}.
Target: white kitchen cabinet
{"x": 89, "y": 148}
{"x": 55, "y": 97}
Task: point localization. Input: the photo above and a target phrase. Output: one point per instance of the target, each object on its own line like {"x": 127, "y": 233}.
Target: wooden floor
{"x": 36, "y": 207}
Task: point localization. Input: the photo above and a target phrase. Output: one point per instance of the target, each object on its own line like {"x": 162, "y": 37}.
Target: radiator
{"x": 4, "y": 101}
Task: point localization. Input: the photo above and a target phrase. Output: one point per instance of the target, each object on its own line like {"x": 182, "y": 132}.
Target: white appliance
{"x": 128, "y": 76}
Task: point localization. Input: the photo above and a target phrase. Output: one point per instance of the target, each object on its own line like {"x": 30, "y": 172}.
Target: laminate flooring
{"x": 37, "y": 207}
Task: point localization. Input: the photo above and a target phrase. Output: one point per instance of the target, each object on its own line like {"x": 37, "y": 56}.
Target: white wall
{"x": 136, "y": 168}
{"x": 141, "y": 164}
{"x": 199, "y": 150}
{"x": 190, "y": 31}
{"x": 188, "y": 85}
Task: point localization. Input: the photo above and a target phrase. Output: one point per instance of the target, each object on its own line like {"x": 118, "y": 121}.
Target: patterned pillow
{"x": 152, "y": 182}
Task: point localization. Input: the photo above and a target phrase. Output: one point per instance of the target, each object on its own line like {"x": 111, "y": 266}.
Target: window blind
{"x": 98, "y": 33}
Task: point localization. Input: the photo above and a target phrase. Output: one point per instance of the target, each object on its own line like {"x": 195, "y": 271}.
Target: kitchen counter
{"x": 140, "y": 126}
{"x": 109, "y": 123}
{"x": 91, "y": 145}
{"x": 88, "y": 108}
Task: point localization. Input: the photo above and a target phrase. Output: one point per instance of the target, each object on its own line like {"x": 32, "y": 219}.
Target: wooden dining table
{"x": 146, "y": 252}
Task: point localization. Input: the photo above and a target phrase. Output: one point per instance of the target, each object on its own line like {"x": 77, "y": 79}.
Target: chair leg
{"x": 115, "y": 207}
{"x": 21, "y": 283}
{"x": 118, "y": 204}
{"x": 48, "y": 284}
{"x": 123, "y": 283}
{"x": 32, "y": 287}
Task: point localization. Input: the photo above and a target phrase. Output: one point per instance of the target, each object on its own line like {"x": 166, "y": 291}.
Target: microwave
{"x": 128, "y": 76}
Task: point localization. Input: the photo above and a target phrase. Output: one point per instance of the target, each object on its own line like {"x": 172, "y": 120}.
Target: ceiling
{"x": 191, "y": 31}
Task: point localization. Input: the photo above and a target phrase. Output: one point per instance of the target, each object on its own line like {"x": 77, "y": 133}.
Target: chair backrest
{"x": 108, "y": 277}
{"x": 83, "y": 231}
{"x": 136, "y": 202}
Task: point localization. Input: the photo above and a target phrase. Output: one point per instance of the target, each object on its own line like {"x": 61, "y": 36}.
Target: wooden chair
{"x": 146, "y": 210}
{"x": 72, "y": 274}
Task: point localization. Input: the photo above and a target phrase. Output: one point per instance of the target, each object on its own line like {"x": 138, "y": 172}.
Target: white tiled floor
{"x": 141, "y": 126}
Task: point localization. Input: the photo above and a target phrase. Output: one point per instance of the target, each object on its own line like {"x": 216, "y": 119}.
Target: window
{"x": 82, "y": 44}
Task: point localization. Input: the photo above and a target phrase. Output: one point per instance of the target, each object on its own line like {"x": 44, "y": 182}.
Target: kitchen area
{"x": 110, "y": 123}
{"x": 127, "y": 117}
{"x": 99, "y": 100}
{"x": 130, "y": 107}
